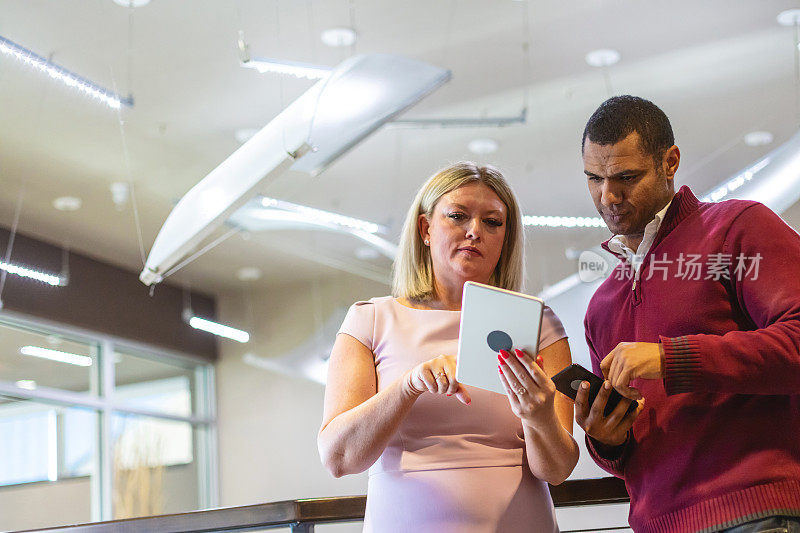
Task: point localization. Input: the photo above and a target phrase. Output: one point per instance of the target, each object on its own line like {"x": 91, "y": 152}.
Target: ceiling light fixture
{"x": 294, "y": 68}
{"x": 338, "y": 37}
{"x": 324, "y": 217}
{"x": 67, "y": 203}
{"x": 735, "y": 182}
{"x": 26, "y": 272}
{"x": 334, "y": 115}
{"x": 56, "y": 355}
{"x": 67, "y": 77}
{"x": 27, "y": 384}
{"x": 218, "y": 329}
{"x": 482, "y": 146}
{"x": 248, "y": 274}
{"x": 604, "y": 57}
{"x": 132, "y": 3}
{"x": 790, "y": 17}
{"x": 563, "y": 222}
{"x": 758, "y": 138}
{"x": 120, "y": 193}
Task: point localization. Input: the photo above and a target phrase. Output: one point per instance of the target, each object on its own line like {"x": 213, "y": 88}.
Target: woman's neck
{"x": 447, "y": 296}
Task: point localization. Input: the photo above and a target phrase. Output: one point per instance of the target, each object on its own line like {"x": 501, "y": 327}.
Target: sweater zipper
{"x": 637, "y": 285}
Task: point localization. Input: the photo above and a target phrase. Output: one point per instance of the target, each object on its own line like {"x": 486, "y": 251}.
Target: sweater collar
{"x": 684, "y": 203}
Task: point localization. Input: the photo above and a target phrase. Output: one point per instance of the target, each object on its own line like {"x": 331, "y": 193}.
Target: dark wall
{"x": 104, "y": 298}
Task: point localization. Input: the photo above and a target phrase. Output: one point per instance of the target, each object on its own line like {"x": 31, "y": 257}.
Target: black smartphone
{"x": 569, "y": 380}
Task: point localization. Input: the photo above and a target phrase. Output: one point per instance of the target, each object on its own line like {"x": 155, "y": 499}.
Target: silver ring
{"x": 521, "y": 391}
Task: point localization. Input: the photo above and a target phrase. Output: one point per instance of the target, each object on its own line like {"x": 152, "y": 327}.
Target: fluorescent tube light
{"x": 55, "y": 355}
{"x": 25, "y": 272}
{"x": 563, "y": 222}
{"x": 218, "y": 329}
{"x": 59, "y": 73}
{"x": 294, "y": 68}
{"x": 735, "y": 182}
{"x": 324, "y": 217}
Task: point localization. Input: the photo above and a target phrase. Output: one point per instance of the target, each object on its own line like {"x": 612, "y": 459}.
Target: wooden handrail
{"x": 302, "y": 514}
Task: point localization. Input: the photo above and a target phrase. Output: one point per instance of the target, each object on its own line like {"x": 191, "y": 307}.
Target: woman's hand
{"x": 530, "y": 392}
{"x": 437, "y": 376}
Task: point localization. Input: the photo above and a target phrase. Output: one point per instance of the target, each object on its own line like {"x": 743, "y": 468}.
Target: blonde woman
{"x": 444, "y": 457}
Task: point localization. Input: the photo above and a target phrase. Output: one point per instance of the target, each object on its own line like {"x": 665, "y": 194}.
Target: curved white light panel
{"x": 360, "y": 95}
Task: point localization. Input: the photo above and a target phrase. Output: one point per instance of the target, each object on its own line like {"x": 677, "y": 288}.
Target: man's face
{"x": 626, "y": 185}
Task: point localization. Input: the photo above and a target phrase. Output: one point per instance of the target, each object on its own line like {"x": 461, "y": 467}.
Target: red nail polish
{"x": 519, "y": 353}
{"x": 500, "y": 358}
{"x": 505, "y": 354}
{"x": 500, "y": 369}
{"x": 449, "y": 394}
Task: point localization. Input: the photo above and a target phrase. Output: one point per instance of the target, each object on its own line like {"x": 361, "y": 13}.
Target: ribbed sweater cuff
{"x": 614, "y": 465}
{"x": 681, "y": 364}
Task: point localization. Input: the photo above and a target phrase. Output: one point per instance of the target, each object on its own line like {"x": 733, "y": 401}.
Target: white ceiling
{"x": 718, "y": 68}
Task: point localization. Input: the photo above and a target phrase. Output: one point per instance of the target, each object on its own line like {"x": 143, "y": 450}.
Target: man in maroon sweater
{"x": 699, "y": 323}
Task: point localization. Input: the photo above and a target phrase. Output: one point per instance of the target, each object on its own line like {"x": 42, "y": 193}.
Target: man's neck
{"x": 632, "y": 241}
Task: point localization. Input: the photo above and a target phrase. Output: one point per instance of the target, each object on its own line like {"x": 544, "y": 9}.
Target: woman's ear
{"x": 423, "y": 225}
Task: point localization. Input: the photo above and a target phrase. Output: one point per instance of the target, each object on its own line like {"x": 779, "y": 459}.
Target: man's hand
{"x": 631, "y": 360}
{"x": 611, "y": 430}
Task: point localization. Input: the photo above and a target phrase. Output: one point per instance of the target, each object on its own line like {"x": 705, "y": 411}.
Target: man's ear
{"x": 671, "y": 161}
{"x": 423, "y": 226}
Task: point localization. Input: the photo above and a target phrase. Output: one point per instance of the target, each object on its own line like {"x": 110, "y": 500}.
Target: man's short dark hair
{"x": 619, "y": 116}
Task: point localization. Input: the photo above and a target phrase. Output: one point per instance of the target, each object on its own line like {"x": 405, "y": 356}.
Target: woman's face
{"x": 466, "y": 233}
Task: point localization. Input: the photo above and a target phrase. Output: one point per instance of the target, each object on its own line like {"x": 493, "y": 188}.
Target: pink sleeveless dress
{"x": 450, "y": 468}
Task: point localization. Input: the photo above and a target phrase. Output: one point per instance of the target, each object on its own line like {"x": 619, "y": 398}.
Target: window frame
{"x": 105, "y": 405}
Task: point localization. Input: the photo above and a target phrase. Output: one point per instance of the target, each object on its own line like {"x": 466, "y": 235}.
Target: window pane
{"x": 32, "y": 359}
{"x": 155, "y": 470}
{"x": 48, "y": 455}
{"x": 148, "y": 383}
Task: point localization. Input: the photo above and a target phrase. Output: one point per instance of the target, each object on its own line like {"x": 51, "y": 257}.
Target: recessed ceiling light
{"x": 131, "y": 3}
{"x": 365, "y": 253}
{"x": 67, "y": 203}
{"x": 248, "y": 273}
{"x": 120, "y": 192}
{"x": 338, "y": 37}
{"x": 482, "y": 146}
{"x": 758, "y": 138}
{"x": 604, "y": 57}
{"x": 245, "y": 134}
{"x": 790, "y": 17}
{"x": 27, "y": 384}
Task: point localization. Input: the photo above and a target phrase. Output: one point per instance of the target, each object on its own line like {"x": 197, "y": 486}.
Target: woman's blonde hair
{"x": 412, "y": 274}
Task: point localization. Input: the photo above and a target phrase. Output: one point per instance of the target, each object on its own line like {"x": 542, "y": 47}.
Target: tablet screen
{"x": 494, "y": 319}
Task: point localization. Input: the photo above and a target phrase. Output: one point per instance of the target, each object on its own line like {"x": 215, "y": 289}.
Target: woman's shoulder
{"x": 363, "y": 319}
{"x": 378, "y": 300}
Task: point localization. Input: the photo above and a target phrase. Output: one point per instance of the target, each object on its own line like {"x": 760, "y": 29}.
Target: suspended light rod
{"x": 326, "y": 217}
{"x": 65, "y": 76}
{"x": 215, "y": 328}
{"x": 563, "y": 222}
{"x": 26, "y": 272}
{"x": 282, "y": 66}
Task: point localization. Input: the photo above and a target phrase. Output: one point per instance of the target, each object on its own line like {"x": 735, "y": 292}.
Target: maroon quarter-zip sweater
{"x": 718, "y": 441}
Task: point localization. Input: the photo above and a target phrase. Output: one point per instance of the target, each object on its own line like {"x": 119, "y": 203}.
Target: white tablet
{"x": 494, "y": 319}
